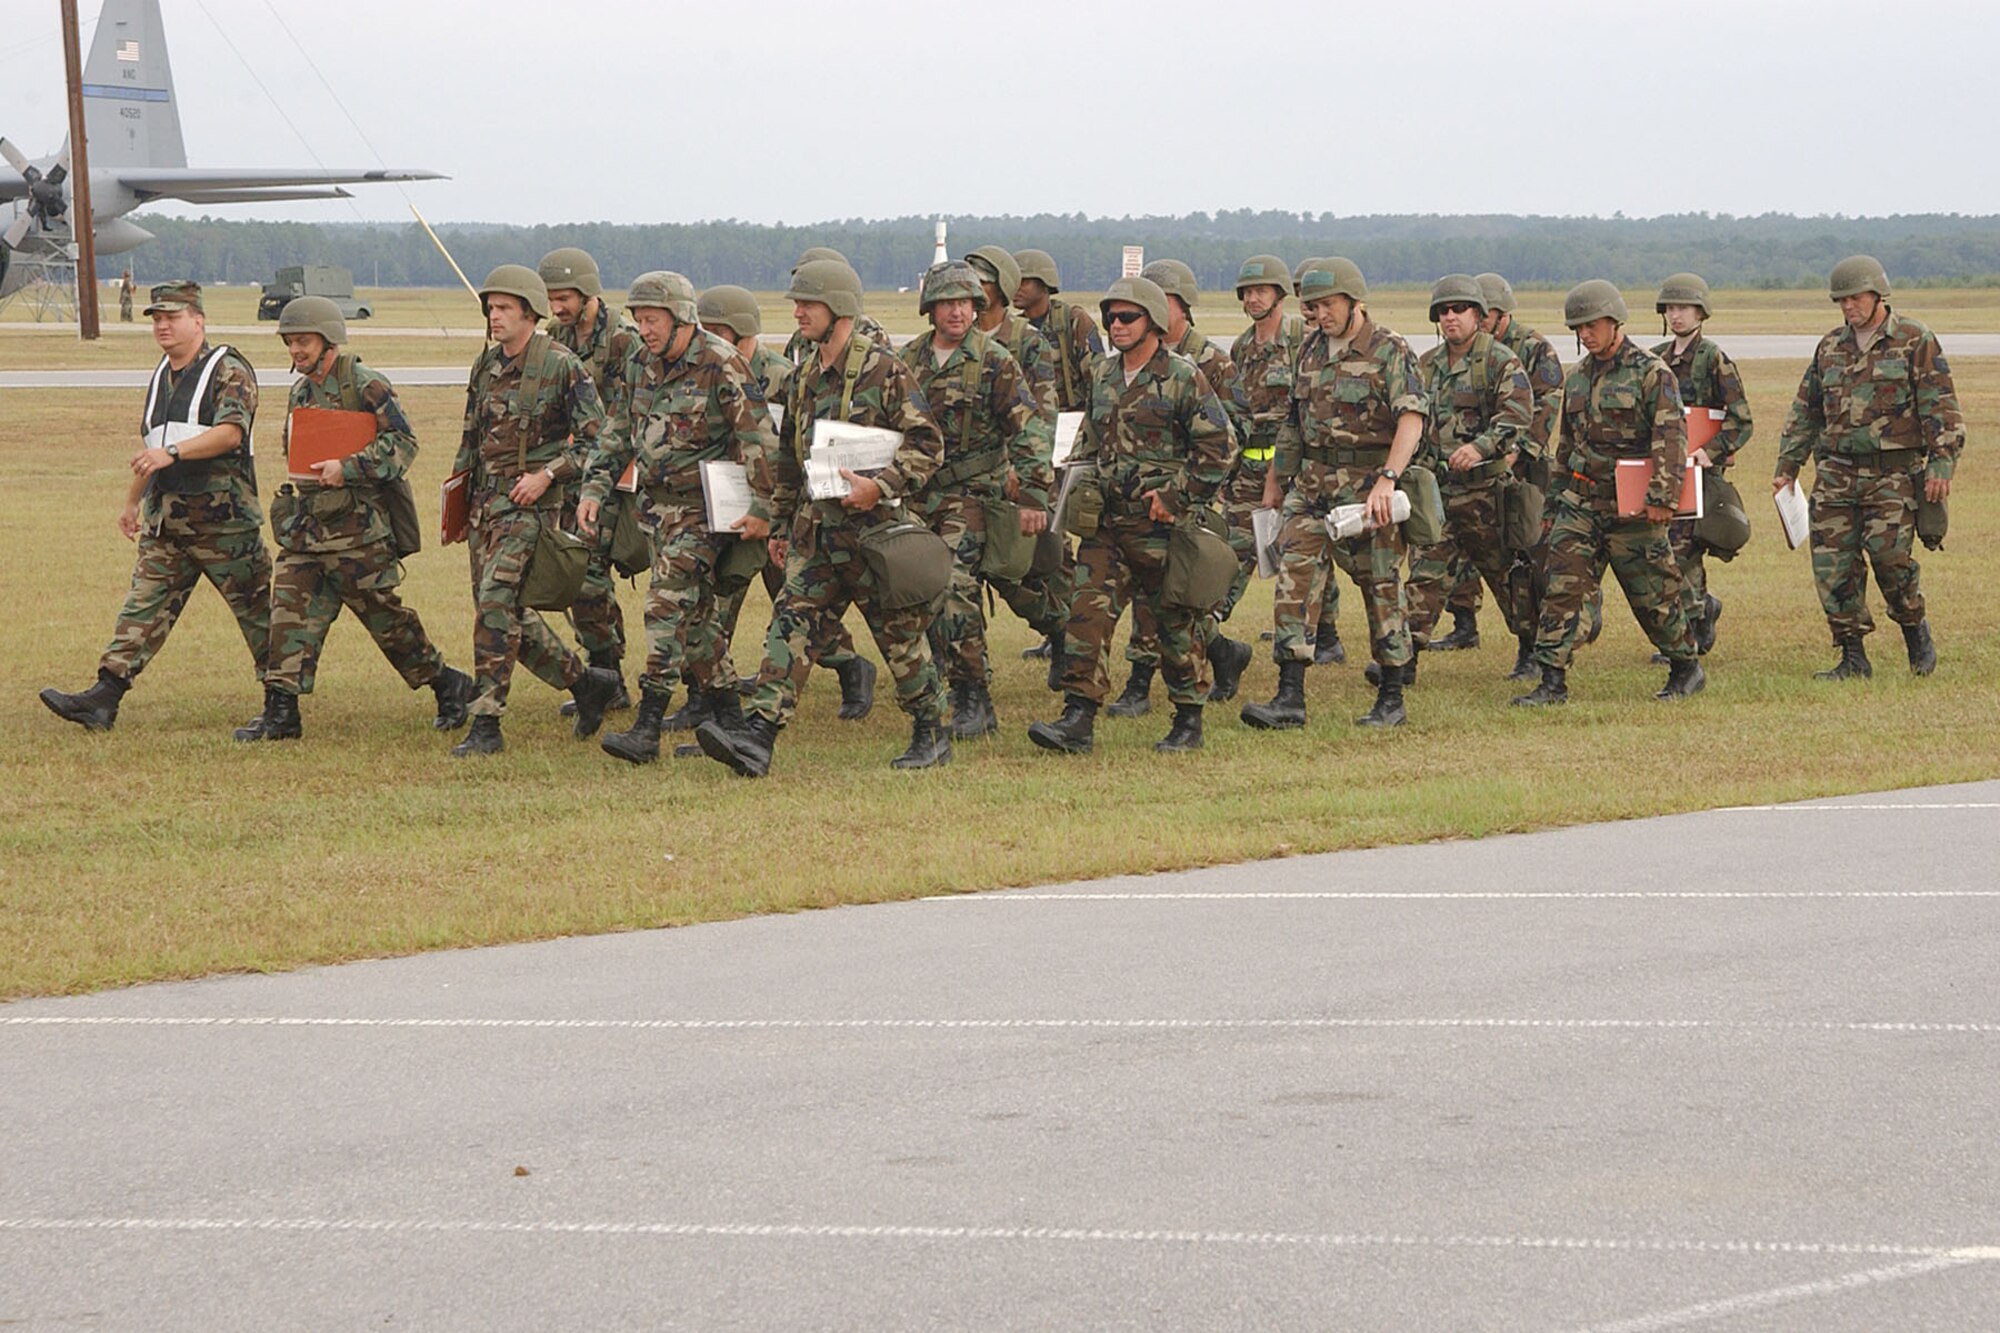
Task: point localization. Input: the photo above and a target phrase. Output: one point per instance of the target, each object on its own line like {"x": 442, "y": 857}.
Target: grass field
{"x": 164, "y": 849}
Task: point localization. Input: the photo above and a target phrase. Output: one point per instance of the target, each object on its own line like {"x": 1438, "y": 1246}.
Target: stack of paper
{"x": 838, "y": 446}
{"x": 1067, "y": 425}
{"x": 1264, "y": 527}
{"x": 1795, "y": 514}
{"x": 1346, "y": 521}
{"x": 725, "y": 492}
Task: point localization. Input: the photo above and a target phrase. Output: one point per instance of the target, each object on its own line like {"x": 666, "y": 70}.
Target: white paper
{"x": 777, "y": 411}
{"x": 1264, "y": 527}
{"x": 725, "y": 493}
{"x": 1070, "y": 475}
{"x": 1067, "y": 425}
{"x": 1794, "y": 514}
{"x": 1346, "y": 521}
{"x": 1700, "y": 492}
{"x": 839, "y": 444}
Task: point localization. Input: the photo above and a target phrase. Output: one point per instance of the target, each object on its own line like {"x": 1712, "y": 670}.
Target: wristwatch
{"x": 1390, "y": 474}
{"x": 174, "y": 452}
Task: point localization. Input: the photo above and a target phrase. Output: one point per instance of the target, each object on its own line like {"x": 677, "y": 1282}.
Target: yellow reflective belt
{"x": 1260, "y": 453}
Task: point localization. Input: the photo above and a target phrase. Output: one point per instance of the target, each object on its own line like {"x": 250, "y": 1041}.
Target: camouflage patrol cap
{"x": 1591, "y": 299}
{"x": 734, "y": 308}
{"x": 661, "y": 290}
{"x": 1039, "y": 265}
{"x": 997, "y": 266}
{"x": 818, "y": 252}
{"x": 953, "y": 280}
{"x": 1332, "y": 276}
{"x": 1499, "y": 293}
{"x": 572, "y": 268}
{"x": 1851, "y": 277}
{"x": 182, "y": 295}
{"x": 1263, "y": 271}
{"x": 832, "y": 283}
{"x": 1174, "y": 278}
{"x": 1683, "y": 289}
{"x": 1141, "y": 292}
{"x": 1454, "y": 288}
{"x": 313, "y": 314}
{"x": 518, "y": 280}
{"x": 1299, "y": 273}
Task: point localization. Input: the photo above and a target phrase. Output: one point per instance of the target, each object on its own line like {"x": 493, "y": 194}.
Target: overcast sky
{"x": 638, "y": 111}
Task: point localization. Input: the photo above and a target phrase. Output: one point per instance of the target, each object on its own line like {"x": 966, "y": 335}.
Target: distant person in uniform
{"x": 125, "y": 289}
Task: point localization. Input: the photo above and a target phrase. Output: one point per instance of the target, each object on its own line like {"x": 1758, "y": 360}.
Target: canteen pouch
{"x": 1724, "y": 526}
{"x": 909, "y": 564}
{"x": 1425, "y": 525}
{"x": 1200, "y": 564}
{"x": 554, "y": 576}
{"x": 739, "y": 562}
{"x": 1520, "y": 517}
{"x": 1050, "y": 548}
{"x": 628, "y": 548}
{"x": 284, "y": 508}
{"x": 1008, "y": 555}
{"x": 1085, "y": 506}
{"x": 399, "y": 506}
{"x": 1933, "y": 517}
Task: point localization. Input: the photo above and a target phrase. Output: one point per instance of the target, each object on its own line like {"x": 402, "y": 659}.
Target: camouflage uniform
{"x": 1264, "y": 375}
{"x": 610, "y": 351}
{"x": 334, "y": 545}
{"x": 1878, "y": 422}
{"x": 797, "y": 349}
{"x": 556, "y": 427}
{"x": 198, "y": 519}
{"x": 1072, "y": 333}
{"x": 1040, "y": 599}
{"x": 1707, "y": 378}
{"x": 1625, "y": 407}
{"x": 771, "y": 374}
{"x": 1334, "y": 440}
{"x": 1482, "y": 399}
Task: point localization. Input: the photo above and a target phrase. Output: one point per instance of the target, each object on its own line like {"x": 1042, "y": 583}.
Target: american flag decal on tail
{"x": 129, "y": 52}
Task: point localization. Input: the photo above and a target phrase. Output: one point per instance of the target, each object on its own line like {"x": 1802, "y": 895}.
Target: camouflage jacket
{"x": 228, "y": 483}
{"x": 610, "y": 350}
{"x": 1545, "y": 377}
{"x": 865, "y": 326}
{"x": 1213, "y": 362}
{"x": 1895, "y": 395}
{"x": 1483, "y": 400}
{"x": 680, "y": 413}
{"x": 1708, "y": 378}
{"x": 1264, "y": 373}
{"x": 1628, "y": 406}
{"x": 1037, "y": 358}
{"x": 771, "y": 372}
{"x": 1071, "y": 331}
{"x": 340, "y": 518}
{"x": 553, "y": 418}
{"x": 1351, "y": 400}
{"x": 980, "y": 401}
{"x": 877, "y": 390}
{"x": 1164, "y": 430}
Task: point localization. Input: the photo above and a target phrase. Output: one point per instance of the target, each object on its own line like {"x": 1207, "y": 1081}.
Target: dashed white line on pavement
{"x": 1707, "y": 1311}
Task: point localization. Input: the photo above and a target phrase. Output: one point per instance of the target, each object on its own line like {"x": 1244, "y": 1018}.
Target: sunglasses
{"x": 1124, "y": 316}
{"x": 1460, "y": 307}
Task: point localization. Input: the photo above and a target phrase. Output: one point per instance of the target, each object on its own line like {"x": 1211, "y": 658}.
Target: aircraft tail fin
{"x": 128, "y": 89}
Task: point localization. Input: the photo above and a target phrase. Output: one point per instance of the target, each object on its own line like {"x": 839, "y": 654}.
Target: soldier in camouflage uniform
{"x": 1707, "y": 379}
{"x": 1619, "y": 402}
{"x": 335, "y": 545}
{"x": 848, "y": 379}
{"x": 192, "y": 506}
{"x": 581, "y": 321}
{"x": 691, "y": 401}
{"x": 1481, "y": 409}
{"x": 1162, "y": 447}
{"x": 996, "y": 450}
{"x": 1355, "y": 422}
{"x": 1877, "y": 412}
{"x": 1067, "y": 327}
{"x": 531, "y": 417}
{"x": 798, "y": 347}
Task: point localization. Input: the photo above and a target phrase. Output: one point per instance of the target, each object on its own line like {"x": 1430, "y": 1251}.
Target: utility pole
{"x": 81, "y": 224}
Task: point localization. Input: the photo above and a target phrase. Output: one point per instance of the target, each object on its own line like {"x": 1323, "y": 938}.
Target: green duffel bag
{"x": 1084, "y": 508}
{"x": 626, "y": 543}
{"x": 1933, "y": 518}
{"x": 1200, "y": 564}
{"x": 1724, "y": 525}
{"x": 554, "y": 576}
{"x": 740, "y": 562}
{"x": 1425, "y": 525}
{"x": 1050, "y": 549}
{"x": 1008, "y": 555}
{"x": 909, "y": 564}
{"x": 399, "y": 506}
{"x": 1521, "y": 515}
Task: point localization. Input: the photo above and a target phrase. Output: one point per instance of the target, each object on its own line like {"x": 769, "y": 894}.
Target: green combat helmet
{"x": 1263, "y": 271}
{"x": 1498, "y": 293}
{"x": 1857, "y": 274}
{"x": 313, "y": 314}
{"x": 1041, "y": 266}
{"x": 953, "y": 280}
{"x": 1299, "y": 273}
{"x": 1591, "y": 299}
{"x": 1333, "y": 276}
{"x": 572, "y": 268}
{"x": 1454, "y": 288}
{"x": 1141, "y": 292}
{"x": 831, "y": 283}
{"x": 734, "y": 308}
{"x": 818, "y": 252}
{"x": 997, "y": 266}
{"x": 1175, "y": 279}
{"x": 518, "y": 280}
{"x": 1683, "y": 289}
{"x": 661, "y": 290}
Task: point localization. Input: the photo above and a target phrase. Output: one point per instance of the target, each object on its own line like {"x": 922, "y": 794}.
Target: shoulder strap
{"x": 343, "y": 379}
{"x": 850, "y": 375}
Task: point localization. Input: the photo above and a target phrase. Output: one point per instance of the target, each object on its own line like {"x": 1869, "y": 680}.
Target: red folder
{"x": 1703, "y": 425}
{"x": 315, "y": 435}
{"x": 1635, "y": 477}
{"x": 455, "y": 508}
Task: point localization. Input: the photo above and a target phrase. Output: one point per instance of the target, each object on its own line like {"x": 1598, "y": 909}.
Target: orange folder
{"x": 454, "y": 508}
{"x": 316, "y": 435}
{"x": 1704, "y": 424}
{"x": 1635, "y": 475}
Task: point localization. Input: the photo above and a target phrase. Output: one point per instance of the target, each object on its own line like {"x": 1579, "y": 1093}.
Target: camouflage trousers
{"x": 504, "y": 631}
{"x": 308, "y": 590}
{"x": 958, "y": 632}
{"x": 1584, "y": 535}
{"x": 169, "y": 566}
{"x": 1126, "y": 561}
{"x": 1308, "y": 555}
{"x": 1474, "y": 539}
{"x": 595, "y": 616}
{"x": 836, "y": 646}
{"x": 824, "y": 574}
{"x": 1862, "y": 516}
{"x": 683, "y": 609}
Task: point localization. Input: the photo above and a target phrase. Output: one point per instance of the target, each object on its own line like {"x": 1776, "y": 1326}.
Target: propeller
{"x": 46, "y": 201}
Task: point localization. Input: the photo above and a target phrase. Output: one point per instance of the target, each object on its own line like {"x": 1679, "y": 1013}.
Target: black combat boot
{"x": 723, "y": 705}
{"x": 1058, "y": 662}
{"x": 1372, "y": 673}
{"x": 484, "y": 738}
{"x": 1524, "y": 660}
{"x": 1229, "y": 657}
{"x": 1328, "y": 650}
{"x": 1704, "y": 629}
{"x": 454, "y": 692}
{"x": 1464, "y": 632}
{"x": 1923, "y": 653}
{"x": 1185, "y": 734}
{"x": 857, "y": 687}
{"x": 1554, "y": 689}
{"x": 1287, "y": 709}
{"x": 94, "y": 709}
{"x": 278, "y": 722}
{"x": 694, "y": 712}
{"x": 619, "y": 701}
{"x": 743, "y": 742}
{"x": 1388, "y": 709}
{"x": 972, "y": 716}
{"x": 1685, "y": 678}
{"x": 1042, "y": 649}
{"x": 1070, "y": 733}
{"x": 1853, "y": 663}
{"x": 594, "y": 690}
{"x": 640, "y": 744}
{"x": 930, "y": 744}
{"x": 1137, "y": 700}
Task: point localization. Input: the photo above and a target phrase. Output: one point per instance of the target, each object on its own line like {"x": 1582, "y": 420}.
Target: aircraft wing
{"x": 12, "y": 186}
{"x": 191, "y": 183}
{"x": 264, "y": 196}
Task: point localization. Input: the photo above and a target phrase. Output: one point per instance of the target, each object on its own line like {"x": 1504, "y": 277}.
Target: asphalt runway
{"x": 1726, "y": 1070}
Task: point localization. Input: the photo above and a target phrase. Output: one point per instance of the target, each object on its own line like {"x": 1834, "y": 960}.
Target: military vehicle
{"x": 328, "y": 280}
